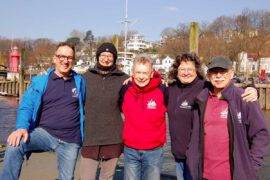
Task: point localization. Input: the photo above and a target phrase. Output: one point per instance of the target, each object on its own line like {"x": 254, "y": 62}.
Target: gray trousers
{"x": 88, "y": 169}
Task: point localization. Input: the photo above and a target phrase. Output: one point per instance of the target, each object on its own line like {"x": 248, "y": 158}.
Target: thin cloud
{"x": 172, "y": 9}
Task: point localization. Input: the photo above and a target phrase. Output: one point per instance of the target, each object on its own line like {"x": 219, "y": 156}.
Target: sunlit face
{"x": 106, "y": 59}
{"x": 186, "y": 72}
{"x": 63, "y": 59}
{"x": 220, "y": 78}
{"x": 142, "y": 74}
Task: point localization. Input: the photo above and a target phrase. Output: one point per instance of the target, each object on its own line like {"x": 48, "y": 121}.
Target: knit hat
{"x": 220, "y": 62}
{"x": 107, "y": 47}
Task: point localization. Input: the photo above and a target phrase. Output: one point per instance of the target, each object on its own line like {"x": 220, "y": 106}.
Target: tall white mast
{"x": 126, "y": 22}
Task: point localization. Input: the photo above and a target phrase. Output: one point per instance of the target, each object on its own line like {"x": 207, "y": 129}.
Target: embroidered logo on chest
{"x": 224, "y": 114}
{"x": 151, "y": 104}
{"x": 239, "y": 117}
{"x": 74, "y": 92}
{"x": 184, "y": 105}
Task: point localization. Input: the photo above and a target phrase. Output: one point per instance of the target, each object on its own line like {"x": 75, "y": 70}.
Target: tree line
{"x": 226, "y": 35}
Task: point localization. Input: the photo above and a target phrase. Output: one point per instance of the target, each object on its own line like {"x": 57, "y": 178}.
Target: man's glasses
{"x": 63, "y": 57}
{"x": 108, "y": 56}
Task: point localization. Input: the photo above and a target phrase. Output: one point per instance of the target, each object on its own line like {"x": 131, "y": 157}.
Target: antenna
{"x": 126, "y": 22}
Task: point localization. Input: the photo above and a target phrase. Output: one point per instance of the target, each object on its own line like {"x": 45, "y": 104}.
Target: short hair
{"x": 61, "y": 44}
{"x": 185, "y": 57}
{"x": 143, "y": 59}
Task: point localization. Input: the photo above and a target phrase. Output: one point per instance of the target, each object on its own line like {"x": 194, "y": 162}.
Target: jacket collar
{"x": 227, "y": 93}
{"x": 180, "y": 84}
{"x": 114, "y": 72}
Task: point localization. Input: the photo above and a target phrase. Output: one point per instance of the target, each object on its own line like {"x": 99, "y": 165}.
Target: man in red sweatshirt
{"x": 144, "y": 134}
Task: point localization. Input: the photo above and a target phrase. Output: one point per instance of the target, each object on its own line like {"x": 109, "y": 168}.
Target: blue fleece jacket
{"x": 28, "y": 111}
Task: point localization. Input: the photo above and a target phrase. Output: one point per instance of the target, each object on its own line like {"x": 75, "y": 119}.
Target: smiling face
{"x": 220, "y": 78}
{"x": 142, "y": 73}
{"x": 106, "y": 59}
{"x": 63, "y": 59}
{"x": 186, "y": 72}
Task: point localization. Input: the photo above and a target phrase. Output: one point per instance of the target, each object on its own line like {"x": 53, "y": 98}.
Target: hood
{"x": 154, "y": 83}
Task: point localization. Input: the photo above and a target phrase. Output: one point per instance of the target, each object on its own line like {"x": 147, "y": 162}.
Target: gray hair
{"x": 143, "y": 59}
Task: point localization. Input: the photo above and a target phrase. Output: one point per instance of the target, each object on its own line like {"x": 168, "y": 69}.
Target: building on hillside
{"x": 167, "y": 63}
{"x": 163, "y": 65}
{"x": 127, "y": 65}
{"x": 137, "y": 42}
{"x": 250, "y": 62}
{"x": 81, "y": 66}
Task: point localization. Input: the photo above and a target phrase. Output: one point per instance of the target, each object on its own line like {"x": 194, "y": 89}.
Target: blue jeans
{"x": 182, "y": 172}
{"x": 41, "y": 141}
{"x": 142, "y": 164}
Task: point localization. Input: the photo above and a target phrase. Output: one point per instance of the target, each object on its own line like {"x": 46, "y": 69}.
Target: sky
{"x": 56, "y": 19}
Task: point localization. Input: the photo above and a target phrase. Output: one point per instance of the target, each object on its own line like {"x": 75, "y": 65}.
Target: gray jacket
{"x": 103, "y": 123}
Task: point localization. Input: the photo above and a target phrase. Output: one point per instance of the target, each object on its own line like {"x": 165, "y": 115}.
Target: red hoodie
{"x": 144, "y": 110}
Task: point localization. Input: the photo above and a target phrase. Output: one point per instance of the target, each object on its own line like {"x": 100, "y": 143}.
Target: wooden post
{"x": 21, "y": 74}
{"x": 267, "y": 98}
{"x": 115, "y": 41}
{"x": 262, "y": 97}
{"x": 194, "y": 37}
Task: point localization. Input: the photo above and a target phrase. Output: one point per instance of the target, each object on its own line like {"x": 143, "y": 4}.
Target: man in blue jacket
{"x": 229, "y": 136}
{"x": 50, "y": 118}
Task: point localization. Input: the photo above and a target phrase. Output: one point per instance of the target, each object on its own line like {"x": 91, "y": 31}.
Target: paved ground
{"x": 42, "y": 166}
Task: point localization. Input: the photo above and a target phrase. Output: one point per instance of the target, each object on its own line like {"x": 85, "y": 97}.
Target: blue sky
{"x": 55, "y": 19}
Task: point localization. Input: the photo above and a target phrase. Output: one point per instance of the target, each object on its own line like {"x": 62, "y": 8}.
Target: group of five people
{"x": 216, "y": 133}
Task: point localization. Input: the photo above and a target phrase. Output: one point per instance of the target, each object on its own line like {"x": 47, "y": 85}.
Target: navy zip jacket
{"x": 180, "y": 104}
{"x": 248, "y": 133}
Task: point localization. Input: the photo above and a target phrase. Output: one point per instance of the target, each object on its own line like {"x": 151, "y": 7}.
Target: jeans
{"x": 142, "y": 164}
{"x": 182, "y": 172}
{"x": 41, "y": 141}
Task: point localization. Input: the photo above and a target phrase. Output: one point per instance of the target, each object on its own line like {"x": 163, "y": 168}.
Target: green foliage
{"x": 89, "y": 38}
{"x": 74, "y": 41}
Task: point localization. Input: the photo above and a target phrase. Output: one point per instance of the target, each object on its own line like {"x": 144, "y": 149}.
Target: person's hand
{"x": 15, "y": 137}
{"x": 250, "y": 94}
{"x": 127, "y": 81}
{"x": 164, "y": 82}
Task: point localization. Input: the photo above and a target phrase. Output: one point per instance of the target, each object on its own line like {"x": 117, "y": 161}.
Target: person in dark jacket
{"x": 103, "y": 125}
{"x": 229, "y": 136}
{"x": 188, "y": 81}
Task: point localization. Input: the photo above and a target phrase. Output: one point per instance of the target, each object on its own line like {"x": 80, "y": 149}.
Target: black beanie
{"x": 107, "y": 47}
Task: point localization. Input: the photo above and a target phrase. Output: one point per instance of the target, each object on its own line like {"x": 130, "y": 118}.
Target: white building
{"x": 136, "y": 42}
{"x": 167, "y": 63}
{"x": 81, "y": 67}
{"x": 164, "y": 64}
{"x": 249, "y": 62}
{"x": 127, "y": 65}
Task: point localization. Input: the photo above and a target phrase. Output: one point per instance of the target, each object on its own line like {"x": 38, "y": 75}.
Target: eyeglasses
{"x": 188, "y": 70}
{"x": 63, "y": 57}
{"x": 108, "y": 56}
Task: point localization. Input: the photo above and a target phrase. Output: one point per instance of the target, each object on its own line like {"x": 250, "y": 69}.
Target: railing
{"x": 11, "y": 88}
{"x": 264, "y": 99}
